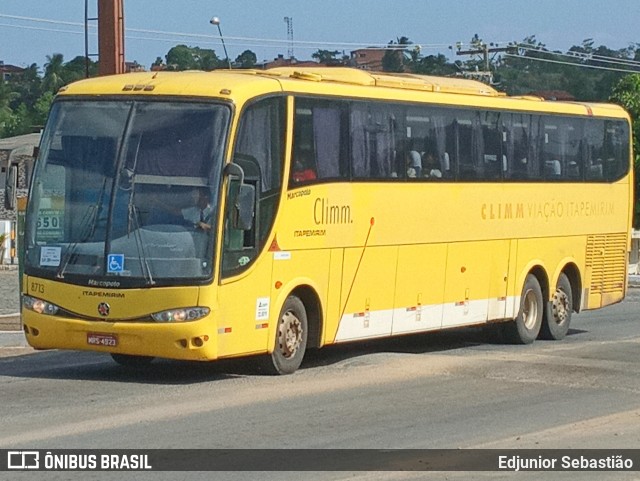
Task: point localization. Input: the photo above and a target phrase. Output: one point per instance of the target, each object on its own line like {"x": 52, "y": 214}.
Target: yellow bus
{"x": 202, "y": 216}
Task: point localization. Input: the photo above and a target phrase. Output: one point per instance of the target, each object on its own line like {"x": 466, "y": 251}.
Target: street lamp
{"x": 216, "y": 21}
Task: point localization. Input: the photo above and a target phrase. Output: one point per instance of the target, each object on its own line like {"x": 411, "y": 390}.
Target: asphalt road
{"x": 455, "y": 389}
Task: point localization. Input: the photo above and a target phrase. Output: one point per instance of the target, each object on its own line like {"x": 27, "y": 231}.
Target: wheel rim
{"x": 560, "y": 306}
{"x": 530, "y": 309}
{"x": 290, "y": 334}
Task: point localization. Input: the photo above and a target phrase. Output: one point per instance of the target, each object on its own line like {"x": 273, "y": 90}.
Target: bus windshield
{"x": 124, "y": 192}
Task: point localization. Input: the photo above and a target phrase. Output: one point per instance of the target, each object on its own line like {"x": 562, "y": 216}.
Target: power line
{"x": 306, "y": 44}
{"x": 579, "y": 65}
{"x": 583, "y": 56}
{"x": 41, "y": 29}
{"x": 277, "y": 42}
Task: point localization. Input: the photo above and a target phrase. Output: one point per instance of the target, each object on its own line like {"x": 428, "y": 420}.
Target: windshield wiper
{"x": 133, "y": 219}
{"x": 88, "y": 227}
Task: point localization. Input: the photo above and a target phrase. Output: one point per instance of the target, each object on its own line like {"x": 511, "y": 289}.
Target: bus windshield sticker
{"x": 50, "y": 256}
{"x": 115, "y": 263}
{"x": 282, "y": 256}
{"x": 262, "y": 309}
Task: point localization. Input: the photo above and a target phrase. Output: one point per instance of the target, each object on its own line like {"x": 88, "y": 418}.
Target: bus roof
{"x": 239, "y": 85}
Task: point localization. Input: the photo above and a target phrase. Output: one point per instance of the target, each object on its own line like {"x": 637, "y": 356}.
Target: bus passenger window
{"x": 319, "y": 141}
{"x": 374, "y": 129}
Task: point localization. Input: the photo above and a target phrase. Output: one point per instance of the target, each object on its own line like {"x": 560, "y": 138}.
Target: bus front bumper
{"x": 195, "y": 340}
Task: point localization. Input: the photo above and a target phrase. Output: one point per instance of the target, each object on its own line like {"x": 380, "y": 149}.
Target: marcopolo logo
{"x": 23, "y": 460}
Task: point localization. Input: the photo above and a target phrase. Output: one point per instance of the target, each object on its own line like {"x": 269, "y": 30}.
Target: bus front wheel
{"x": 291, "y": 338}
{"x": 557, "y": 315}
{"x": 525, "y": 328}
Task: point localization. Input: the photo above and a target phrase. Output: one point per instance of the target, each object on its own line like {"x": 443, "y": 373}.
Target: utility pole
{"x": 484, "y": 50}
{"x": 111, "y": 37}
{"x": 289, "y": 22}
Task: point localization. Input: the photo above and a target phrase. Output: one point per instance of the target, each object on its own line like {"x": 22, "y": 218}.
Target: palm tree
{"x": 53, "y": 72}
{"x": 394, "y": 59}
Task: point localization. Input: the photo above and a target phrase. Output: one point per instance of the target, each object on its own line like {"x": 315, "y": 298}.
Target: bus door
{"x": 244, "y": 293}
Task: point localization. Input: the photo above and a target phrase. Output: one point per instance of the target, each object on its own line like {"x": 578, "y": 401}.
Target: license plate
{"x": 95, "y": 339}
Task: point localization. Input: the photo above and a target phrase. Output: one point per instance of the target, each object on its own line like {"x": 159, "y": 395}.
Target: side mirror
{"x": 242, "y": 199}
{"x": 11, "y": 188}
{"x": 244, "y": 207}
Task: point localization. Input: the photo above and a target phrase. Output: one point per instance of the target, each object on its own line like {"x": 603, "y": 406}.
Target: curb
{"x": 11, "y": 322}
{"x": 12, "y": 339}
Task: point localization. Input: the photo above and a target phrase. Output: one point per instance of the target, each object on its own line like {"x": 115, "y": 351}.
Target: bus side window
{"x": 374, "y": 128}
{"x": 615, "y": 149}
{"x": 492, "y": 141}
{"x": 319, "y": 146}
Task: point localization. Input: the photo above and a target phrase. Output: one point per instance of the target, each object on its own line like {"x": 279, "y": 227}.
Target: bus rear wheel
{"x": 524, "y": 329}
{"x": 291, "y": 338}
{"x": 131, "y": 361}
{"x": 557, "y": 314}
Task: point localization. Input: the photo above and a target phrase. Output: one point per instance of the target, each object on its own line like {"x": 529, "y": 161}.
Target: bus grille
{"x": 607, "y": 258}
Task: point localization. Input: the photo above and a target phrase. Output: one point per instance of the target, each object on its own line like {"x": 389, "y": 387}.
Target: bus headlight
{"x": 38, "y": 305}
{"x": 184, "y": 314}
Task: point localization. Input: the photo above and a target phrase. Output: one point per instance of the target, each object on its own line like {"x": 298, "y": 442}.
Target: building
{"x": 133, "y": 67}
{"x": 16, "y": 161}
{"x": 367, "y": 58}
{"x": 560, "y": 95}
{"x": 7, "y": 71}
{"x": 281, "y": 61}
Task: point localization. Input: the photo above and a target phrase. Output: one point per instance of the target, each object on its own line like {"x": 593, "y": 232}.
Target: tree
{"x": 19, "y": 122}
{"x": 182, "y": 57}
{"x": 247, "y": 59}
{"x": 626, "y": 93}
{"x": 326, "y": 57}
{"x": 433, "y": 65}
{"x": 54, "y": 72}
{"x": 394, "y": 59}
{"x": 6, "y": 113}
{"x": 207, "y": 59}
{"x": 158, "y": 62}
{"x": 76, "y": 69}
{"x": 41, "y": 109}
{"x": 26, "y": 87}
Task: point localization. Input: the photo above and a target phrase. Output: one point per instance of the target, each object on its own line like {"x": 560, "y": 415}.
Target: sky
{"x": 30, "y": 30}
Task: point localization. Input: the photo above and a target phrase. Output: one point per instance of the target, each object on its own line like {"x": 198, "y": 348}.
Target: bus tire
{"x": 557, "y": 313}
{"x": 131, "y": 361}
{"x": 524, "y": 329}
{"x": 291, "y": 338}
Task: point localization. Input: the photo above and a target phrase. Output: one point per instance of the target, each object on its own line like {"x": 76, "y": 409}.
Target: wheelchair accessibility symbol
{"x": 115, "y": 263}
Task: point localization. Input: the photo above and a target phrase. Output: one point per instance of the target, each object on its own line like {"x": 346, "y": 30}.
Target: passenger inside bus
{"x": 302, "y": 168}
{"x": 414, "y": 164}
{"x": 188, "y": 208}
{"x": 199, "y": 215}
{"x": 431, "y": 166}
